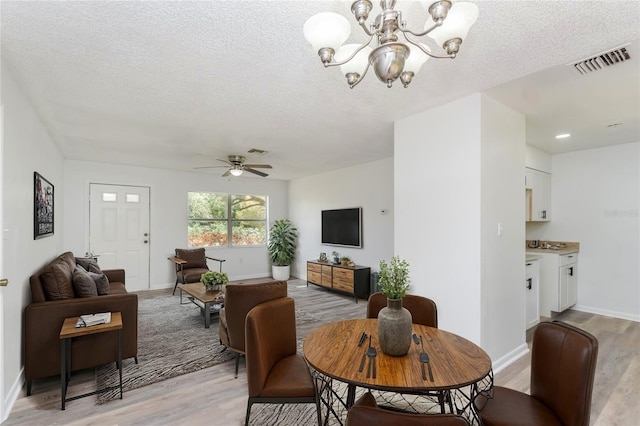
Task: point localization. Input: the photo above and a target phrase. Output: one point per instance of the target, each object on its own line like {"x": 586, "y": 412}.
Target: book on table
{"x": 94, "y": 319}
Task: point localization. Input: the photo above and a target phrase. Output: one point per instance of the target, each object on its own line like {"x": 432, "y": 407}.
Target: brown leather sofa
{"x": 43, "y": 319}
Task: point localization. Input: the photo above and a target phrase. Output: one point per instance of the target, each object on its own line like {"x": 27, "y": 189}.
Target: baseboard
{"x": 607, "y": 313}
{"x": 510, "y": 358}
{"x": 12, "y": 396}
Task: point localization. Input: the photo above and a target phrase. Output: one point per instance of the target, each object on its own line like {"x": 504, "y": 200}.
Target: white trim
{"x": 510, "y": 358}
{"x": 12, "y": 396}
{"x": 607, "y": 313}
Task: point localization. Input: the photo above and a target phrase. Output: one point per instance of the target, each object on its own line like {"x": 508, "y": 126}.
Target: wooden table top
{"x": 69, "y": 327}
{"x": 198, "y": 291}
{"x": 455, "y": 361}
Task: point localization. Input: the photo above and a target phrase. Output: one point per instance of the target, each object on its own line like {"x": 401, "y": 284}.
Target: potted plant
{"x": 344, "y": 260}
{"x": 214, "y": 280}
{"x": 282, "y": 248}
{"x": 394, "y": 321}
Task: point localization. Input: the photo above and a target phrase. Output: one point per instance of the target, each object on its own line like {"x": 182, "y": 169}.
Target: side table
{"x": 67, "y": 333}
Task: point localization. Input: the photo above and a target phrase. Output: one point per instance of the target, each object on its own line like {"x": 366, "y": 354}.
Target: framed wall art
{"x": 42, "y": 207}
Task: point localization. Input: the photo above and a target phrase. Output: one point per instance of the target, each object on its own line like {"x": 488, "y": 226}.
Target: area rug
{"x": 172, "y": 341}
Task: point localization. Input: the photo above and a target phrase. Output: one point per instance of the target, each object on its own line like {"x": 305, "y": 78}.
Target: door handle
{"x": 529, "y": 283}
{"x": 146, "y": 234}
{"x": 146, "y": 241}
{"x": 571, "y": 271}
{"x": 4, "y": 282}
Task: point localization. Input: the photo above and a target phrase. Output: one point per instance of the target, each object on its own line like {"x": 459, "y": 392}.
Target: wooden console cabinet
{"x": 352, "y": 280}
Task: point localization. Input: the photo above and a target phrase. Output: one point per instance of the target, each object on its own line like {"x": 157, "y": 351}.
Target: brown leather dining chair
{"x": 563, "y": 365}
{"x": 423, "y": 310}
{"x": 276, "y": 372}
{"x": 190, "y": 264}
{"x": 239, "y": 299}
{"x": 365, "y": 412}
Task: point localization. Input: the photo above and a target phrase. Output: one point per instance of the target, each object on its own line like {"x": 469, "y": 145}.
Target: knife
{"x": 364, "y": 356}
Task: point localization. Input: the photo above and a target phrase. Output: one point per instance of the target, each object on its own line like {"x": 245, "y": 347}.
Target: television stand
{"x": 352, "y": 280}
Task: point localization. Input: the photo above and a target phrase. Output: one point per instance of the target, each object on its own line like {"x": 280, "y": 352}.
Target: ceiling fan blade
{"x": 255, "y": 172}
{"x": 209, "y": 167}
{"x": 259, "y": 166}
{"x": 227, "y": 173}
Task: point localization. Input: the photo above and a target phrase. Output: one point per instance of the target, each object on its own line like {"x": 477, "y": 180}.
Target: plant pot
{"x": 281, "y": 273}
{"x": 394, "y": 328}
{"x": 213, "y": 288}
{"x": 344, "y": 262}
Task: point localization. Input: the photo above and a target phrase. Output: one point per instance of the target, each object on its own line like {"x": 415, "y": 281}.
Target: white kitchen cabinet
{"x": 538, "y": 192}
{"x": 532, "y": 289}
{"x": 558, "y": 282}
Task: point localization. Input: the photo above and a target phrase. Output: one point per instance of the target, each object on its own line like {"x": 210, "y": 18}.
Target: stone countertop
{"x": 554, "y": 247}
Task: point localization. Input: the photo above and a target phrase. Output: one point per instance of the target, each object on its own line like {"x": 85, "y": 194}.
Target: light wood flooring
{"x": 214, "y": 397}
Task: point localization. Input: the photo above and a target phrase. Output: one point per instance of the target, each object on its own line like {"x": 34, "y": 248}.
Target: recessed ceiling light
{"x": 563, "y": 135}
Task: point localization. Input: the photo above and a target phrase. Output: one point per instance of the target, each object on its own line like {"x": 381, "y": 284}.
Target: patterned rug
{"x": 172, "y": 341}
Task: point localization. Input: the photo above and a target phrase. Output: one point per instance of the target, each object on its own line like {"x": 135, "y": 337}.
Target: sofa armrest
{"x": 42, "y": 323}
{"x": 115, "y": 275}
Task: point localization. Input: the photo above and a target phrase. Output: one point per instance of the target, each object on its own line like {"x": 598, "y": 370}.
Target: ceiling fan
{"x": 236, "y": 164}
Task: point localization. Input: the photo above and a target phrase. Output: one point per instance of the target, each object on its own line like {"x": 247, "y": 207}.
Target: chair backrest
{"x": 270, "y": 331}
{"x": 563, "y": 364}
{"x": 239, "y": 299}
{"x": 195, "y": 258}
{"x": 367, "y": 416}
{"x": 423, "y": 310}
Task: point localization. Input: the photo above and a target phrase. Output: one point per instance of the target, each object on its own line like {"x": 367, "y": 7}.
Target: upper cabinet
{"x": 538, "y": 195}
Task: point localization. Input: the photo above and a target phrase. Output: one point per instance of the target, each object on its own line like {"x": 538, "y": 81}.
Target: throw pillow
{"x": 89, "y": 264}
{"x": 101, "y": 281}
{"x": 83, "y": 283}
{"x": 56, "y": 280}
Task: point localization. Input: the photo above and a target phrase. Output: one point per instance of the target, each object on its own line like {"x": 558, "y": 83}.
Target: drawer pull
{"x": 529, "y": 283}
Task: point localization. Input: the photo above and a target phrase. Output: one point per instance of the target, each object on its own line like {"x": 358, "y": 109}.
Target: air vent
{"x": 256, "y": 151}
{"x": 602, "y": 61}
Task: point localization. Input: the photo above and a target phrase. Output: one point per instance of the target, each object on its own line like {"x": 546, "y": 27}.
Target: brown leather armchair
{"x": 190, "y": 264}
{"x": 423, "y": 310}
{"x": 276, "y": 372}
{"x": 365, "y": 412}
{"x": 239, "y": 299}
{"x": 563, "y": 364}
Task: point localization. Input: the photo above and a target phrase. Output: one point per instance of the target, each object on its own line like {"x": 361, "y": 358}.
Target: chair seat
{"x": 289, "y": 378}
{"x": 512, "y": 408}
{"x": 192, "y": 275}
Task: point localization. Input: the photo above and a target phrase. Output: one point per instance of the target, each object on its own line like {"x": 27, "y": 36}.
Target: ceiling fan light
{"x": 236, "y": 171}
{"x": 457, "y": 24}
{"x": 326, "y": 29}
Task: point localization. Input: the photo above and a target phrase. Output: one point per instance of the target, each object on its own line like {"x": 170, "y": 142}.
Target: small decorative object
{"x": 394, "y": 321}
{"x": 323, "y": 257}
{"x": 336, "y": 257}
{"x": 344, "y": 260}
{"x": 42, "y": 207}
{"x": 214, "y": 280}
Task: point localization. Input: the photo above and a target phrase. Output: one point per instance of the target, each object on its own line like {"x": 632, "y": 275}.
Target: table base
{"x": 336, "y": 398}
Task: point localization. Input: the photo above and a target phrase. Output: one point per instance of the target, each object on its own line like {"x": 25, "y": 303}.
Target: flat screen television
{"x": 342, "y": 227}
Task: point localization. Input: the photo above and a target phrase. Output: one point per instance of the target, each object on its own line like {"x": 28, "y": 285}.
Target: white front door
{"x": 119, "y": 231}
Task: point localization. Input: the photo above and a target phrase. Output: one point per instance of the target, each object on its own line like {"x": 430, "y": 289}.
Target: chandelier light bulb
{"x": 326, "y": 30}
{"x": 457, "y": 24}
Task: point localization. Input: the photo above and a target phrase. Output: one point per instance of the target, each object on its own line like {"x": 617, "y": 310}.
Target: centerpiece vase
{"x": 394, "y": 328}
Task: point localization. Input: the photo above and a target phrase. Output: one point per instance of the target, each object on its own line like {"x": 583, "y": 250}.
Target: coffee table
{"x": 209, "y": 301}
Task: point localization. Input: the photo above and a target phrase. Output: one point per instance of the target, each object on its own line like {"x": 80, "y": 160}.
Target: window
{"x": 213, "y": 217}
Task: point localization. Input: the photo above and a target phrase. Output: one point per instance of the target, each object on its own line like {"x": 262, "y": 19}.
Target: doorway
{"x": 119, "y": 231}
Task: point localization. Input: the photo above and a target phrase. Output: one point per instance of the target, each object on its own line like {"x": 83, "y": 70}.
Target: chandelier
{"x": 448, "y": 24}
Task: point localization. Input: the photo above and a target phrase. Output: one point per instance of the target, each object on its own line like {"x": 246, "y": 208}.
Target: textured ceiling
{"x": 180, "y": 84}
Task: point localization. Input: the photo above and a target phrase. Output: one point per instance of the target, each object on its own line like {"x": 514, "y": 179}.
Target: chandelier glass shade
{"x": 448, "y": 23}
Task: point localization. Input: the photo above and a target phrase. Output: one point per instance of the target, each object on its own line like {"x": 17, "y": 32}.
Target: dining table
{"x": 457, "y": 368}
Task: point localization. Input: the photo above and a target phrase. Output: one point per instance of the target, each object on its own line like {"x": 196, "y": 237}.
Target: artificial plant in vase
{"x": 394, "y": 321}
{"x": 214, "y": 280}
{"x": 282, "y": 248}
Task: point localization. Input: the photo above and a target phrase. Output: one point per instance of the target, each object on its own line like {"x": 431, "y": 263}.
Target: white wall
{"x": 458, "y": 173}
{"x": 537, "y": 159}
{"x": 369, "y": 186}
{"x": 27, "y": 148}
{"x": 168, "y": 213}
{"x": 595, "y": 199}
